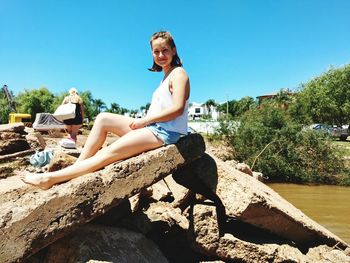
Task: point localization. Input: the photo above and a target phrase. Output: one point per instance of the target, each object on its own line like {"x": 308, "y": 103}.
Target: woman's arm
{"x": 180, "y": 88}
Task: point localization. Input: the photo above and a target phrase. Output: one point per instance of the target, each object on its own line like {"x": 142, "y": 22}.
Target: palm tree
{"x": 133, "y": 113}
{"x": 99, "y": 105}
{"x": 283, "y": 98}
{"x": 147, "y": 106}
{"x": 115, "y": 108}
{"x": 209, "y": 103}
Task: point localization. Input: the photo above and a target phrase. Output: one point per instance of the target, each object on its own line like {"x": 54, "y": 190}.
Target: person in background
{"x": 165, "y": 122}
{"x": 73, "y": 125}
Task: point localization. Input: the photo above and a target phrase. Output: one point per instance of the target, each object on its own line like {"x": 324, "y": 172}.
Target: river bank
{"x": 260, "y": 220}
{"x": 326, "y": 204}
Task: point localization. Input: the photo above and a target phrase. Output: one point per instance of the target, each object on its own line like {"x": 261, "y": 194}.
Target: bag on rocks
{"x": 40, "y": 159}
{"x": 65, "y": 112}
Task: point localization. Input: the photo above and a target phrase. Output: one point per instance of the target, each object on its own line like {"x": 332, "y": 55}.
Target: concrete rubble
{"x": 172, "y": 200}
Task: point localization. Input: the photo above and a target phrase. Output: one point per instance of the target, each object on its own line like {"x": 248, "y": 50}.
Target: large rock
{"x": 12, "y": 138}
{"x": 101, "y": 244}
{"x": 206, "y": 239}
{"x": 257, "y": 204}
{"x": 12, "y": 127}
{"x": 242, "y": 244}
{"x": 31, "y": 218}
{"x": 11, "y": 142}
{"x": 16, "y": 142}
{"x": 253, "y": 202}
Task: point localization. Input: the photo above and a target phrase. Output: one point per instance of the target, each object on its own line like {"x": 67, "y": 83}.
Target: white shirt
{"x": 163, "y": 99}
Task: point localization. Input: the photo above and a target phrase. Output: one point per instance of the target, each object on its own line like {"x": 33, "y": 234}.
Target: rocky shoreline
{"x": 167, "y": 205}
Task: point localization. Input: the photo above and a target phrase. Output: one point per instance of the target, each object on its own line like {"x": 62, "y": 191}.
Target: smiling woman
{"x": 164, "y": 50}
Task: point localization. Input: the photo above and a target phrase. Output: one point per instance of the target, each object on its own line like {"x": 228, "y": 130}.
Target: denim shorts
{"x": 168, "y": 137}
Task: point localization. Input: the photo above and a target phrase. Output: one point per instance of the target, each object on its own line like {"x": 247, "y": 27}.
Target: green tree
{"x": 133, "y": 113}
{"x": 283, "y": 98}
{"x": 270, "y": 141}
{"x": 35, "y": 101}
{"x": 325, "y": 99}
{"x": 143, "y": 109}
{"x": 5, "y": 108}
{"x": 99, "y": 105}
{"x": 89, "y": 107}
{"x": 115, "y": 108}
{"x": 237, "y": 108}
{"x": 228, "y": 107}
{"x": 147, "y": 106}
{"x": 210, "y": 103}
{"x": 244, "y": 105}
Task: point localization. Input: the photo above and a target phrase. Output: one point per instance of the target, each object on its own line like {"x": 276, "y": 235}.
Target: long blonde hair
{"x": 74, "y": 97}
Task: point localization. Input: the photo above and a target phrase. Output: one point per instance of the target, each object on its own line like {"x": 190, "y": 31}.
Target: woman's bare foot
{"x": 39, "y": 180}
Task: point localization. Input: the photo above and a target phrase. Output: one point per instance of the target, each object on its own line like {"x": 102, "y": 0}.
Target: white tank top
{"x": 162, "y": 99}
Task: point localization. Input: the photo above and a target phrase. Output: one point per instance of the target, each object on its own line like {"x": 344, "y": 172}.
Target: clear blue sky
{"x": 230, "y": 49}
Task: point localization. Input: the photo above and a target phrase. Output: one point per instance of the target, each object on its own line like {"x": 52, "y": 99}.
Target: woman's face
{"x": 162, "y": 52}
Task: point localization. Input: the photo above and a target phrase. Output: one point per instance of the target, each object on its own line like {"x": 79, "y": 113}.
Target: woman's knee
{"x": 102, "y": 119}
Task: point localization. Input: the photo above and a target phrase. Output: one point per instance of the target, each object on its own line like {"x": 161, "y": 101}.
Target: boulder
{"x": 12, "y": 138}
{"x": 244, "y": 168}
{"x": 165, "y": 213}
{"x": 243, "y": 243}
{"x": 92, "y": 243}
{"x": 31, "y": 218}
{"x": 36, "y": 141}
{"x": 16, "y": 142}
{"x": 206, "y": 239}
{"x": 162, "y": 223}
{"x": 159, "y": 191}
{"x": 60, "y": 160}
{"x": 255, "y": 203}
{"x": 12, "y": 143}
{"x": 12, "y": 127}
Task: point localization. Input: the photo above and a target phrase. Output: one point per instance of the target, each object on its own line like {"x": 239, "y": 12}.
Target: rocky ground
{"x": 16, "y": 166}
{"x": 153, "y": 222}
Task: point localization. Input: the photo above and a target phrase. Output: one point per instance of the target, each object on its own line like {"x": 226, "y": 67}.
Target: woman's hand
{"x": 138, "y": 123}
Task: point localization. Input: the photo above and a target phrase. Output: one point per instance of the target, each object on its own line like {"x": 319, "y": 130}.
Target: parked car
{"x": 342, "y": 132}
{"x": 322, "y": 127}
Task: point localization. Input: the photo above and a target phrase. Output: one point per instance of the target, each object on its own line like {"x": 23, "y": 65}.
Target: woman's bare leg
{"x": 131, "y": 144}
{"x": 104, "y": 123}
{"x": 69, "y": 129}
{"x": 74, "y": 131}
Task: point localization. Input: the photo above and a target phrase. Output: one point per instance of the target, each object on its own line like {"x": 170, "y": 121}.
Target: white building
{"x": 198, "y": 110}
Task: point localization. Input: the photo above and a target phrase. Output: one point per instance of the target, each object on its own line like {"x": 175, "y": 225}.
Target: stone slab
{"x": 31, "y": 218}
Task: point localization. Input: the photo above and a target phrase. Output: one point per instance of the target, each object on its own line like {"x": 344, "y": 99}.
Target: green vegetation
{"x": 236, "y": 108}
{"x": 324, "y": 99}
{"x": 5, "y": 108}
{"x": 343, "y": 146}
{"x": 272, "y": 137}
{"x": 39, "y": 100}
{"x": 271, "y": 142}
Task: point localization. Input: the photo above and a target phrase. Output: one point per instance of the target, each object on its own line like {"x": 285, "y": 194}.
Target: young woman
{"x": 164, "y": 123}
{"x": 73, "y": 125}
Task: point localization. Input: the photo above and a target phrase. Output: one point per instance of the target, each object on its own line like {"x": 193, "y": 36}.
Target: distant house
{"x": 199, "y": 110}
{"x": 271, "y": 96}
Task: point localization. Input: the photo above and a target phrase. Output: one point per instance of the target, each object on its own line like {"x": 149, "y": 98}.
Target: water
{"x": 327, "y": 205}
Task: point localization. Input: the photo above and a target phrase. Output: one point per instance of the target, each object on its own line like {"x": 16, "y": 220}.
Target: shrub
{"x": 271, "y": 142}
